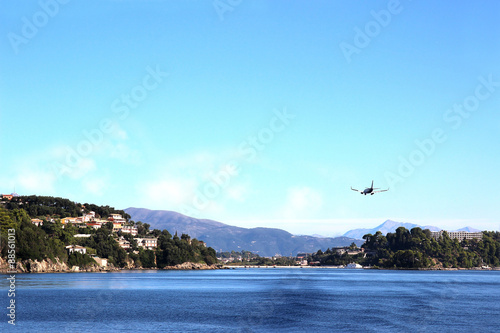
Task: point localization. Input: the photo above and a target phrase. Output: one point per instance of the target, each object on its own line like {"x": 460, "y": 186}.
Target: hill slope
{"x": 263, "y": 241}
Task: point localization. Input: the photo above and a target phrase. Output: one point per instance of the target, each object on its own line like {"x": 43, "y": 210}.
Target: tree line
{"x": 416, "y": 248}
{"x": 43, "y": 206}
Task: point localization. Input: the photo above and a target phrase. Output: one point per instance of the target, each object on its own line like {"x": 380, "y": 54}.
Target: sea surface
{"x": 256, "y": 300}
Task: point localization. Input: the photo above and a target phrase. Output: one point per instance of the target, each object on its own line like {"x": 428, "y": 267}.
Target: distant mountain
{"x": 386, "y": 227}
{"x": 263, "y": 241}
{"x": 469, "y": 229}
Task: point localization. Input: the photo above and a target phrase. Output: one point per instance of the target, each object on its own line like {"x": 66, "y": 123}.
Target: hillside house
{"x": 117, "y": 226}
{"x": 94, "y": 225}
{"x": 37, "y": 222}
{"x": 67, "y": 220}
{"x": 89, "y": 217}
{"x": 147, "y": 243}
{"x": 116, "y": 218}
{"x": 76, "y": 248}
{"x": 127, "y": 229}
{"x": 124, "y": 244}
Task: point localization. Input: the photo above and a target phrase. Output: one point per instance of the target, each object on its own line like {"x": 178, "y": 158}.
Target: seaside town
{"x": 110, "y": 240}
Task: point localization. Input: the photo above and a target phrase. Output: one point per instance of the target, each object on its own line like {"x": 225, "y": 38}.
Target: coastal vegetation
{"x": 43, "y": 206}
{"x": 50, "y": 238}
{"x": 417, "y": 249}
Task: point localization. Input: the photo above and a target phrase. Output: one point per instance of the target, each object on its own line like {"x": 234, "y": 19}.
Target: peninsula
{"x": 50, "y": 234}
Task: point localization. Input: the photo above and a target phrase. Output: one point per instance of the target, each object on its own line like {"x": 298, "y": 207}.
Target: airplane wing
{"x": 355, "y": 189}
{"x": 380, "y": 191}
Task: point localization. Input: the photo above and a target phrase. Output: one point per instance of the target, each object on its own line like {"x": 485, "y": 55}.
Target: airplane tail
{"x": 372, "y": 183}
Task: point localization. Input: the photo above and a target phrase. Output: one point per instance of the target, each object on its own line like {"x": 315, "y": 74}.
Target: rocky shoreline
{"x": 367, "y": 267}
{"x": 56, "y": 266}
{"x": 193, "y": 266}
{"x": 50, "y": 266}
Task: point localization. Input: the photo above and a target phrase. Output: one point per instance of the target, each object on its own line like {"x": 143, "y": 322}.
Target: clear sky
{"x": 256, "y": 113}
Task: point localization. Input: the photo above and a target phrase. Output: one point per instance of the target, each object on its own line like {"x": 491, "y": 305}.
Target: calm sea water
{"x": 257, "y": 300}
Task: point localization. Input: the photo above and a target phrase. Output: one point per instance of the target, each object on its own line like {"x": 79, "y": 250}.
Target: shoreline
{"x": 46, "y": 268}
{"x": 119, "y": 270}
{"x": 367, "y": 268}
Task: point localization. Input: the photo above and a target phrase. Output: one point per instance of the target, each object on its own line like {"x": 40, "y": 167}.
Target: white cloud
{"x": 237, "y": 192}
{"x": 198, "y": 184}
{"x": 84, "y": 166}
{"x": 167, "y": 192}
{"x": 31, "y": 174}
{"x": 118, "y": 132}
{"x": 95, "y": 186}
{"x": 124, "y": 153}
{"x": 302, "y": 202}
{"x": 33, "y": 180}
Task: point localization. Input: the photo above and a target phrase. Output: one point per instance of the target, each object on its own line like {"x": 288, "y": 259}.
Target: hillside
{"x": 418, "y": 249}
{"x": 220, "y": 236}
{"x": 60, "y": 246}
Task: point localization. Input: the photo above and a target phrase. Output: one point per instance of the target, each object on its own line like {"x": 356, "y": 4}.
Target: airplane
{"x": 369, "y": 190}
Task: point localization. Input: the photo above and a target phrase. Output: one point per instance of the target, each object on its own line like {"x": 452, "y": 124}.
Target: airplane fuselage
{"x": 369, "y": 190}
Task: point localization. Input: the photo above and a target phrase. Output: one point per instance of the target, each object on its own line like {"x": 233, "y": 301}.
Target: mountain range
{"x": 265, "y": 242}
{"x": 391, "y": 226}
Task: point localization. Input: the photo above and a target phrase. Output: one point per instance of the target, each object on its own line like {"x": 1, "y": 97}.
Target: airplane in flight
{"x": 369, "y": 190}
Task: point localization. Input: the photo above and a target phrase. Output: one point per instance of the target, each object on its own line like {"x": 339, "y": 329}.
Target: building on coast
{"x": 460, "y": 235}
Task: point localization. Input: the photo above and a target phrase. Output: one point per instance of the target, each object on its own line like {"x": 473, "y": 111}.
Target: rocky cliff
{"x": 192, "y": 265}
{"x": 48, "y": 266}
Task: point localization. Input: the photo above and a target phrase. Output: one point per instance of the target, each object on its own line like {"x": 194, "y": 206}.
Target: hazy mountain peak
{"x": 469, "y": 229}
{"x": 385, "y": 228}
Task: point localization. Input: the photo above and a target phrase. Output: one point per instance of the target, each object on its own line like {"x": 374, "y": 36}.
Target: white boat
{"x": 353, "y": 265}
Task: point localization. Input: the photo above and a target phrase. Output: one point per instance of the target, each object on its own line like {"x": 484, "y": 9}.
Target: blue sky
{"x": 256, "y": 113}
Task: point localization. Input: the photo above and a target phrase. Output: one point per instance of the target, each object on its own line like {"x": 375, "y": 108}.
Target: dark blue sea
{"x": 256, "y": 300}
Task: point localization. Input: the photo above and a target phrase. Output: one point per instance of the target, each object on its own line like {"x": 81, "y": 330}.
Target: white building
{"x": 94, "y": 225}
{"x": 124, "y": 244}
{"x": 147, "y": 243}
{"x": 88, "y": 217}
{"x": 127, "y": 229}
{"x": 116, "y": 218}
{"x": 460, "y": 235}
{"x": 103, "y": 262}
{"x": 37, "y": 222}
{"x": 76, "y": 248}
